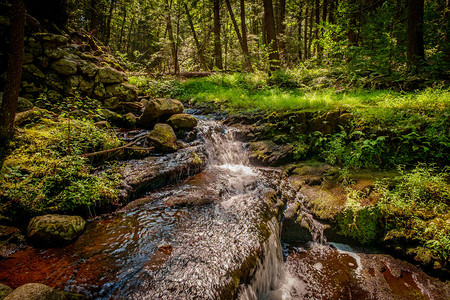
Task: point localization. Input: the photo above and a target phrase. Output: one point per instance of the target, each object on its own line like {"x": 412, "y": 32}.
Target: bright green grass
{"x": 251, "y": 93}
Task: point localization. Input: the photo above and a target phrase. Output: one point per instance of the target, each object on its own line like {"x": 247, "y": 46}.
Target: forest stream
{"x": 215, "y": 235}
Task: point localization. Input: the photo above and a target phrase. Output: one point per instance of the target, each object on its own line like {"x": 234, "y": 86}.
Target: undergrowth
{"x": 44, "y": 173}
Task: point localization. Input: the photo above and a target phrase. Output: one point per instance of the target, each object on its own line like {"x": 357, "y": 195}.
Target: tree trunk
{"x": 238, "y": 33}
{"x": 311, "y": 25}
{"x": 415, "y": 48}
{"x": 122, "y": 29}
{"x": 194, "y": 34}
{"x": 244, "y": 27}
{"x": 331, "y": 11}
{"x": 299, "y": 35}
{"x": 281, "y": 15}
{"x": 271, "y": 38}
{"x": 305, "y": 37}
{"x": 108, "y": 24}
{"x": 316, "y": 30}
{"x": 217, "y": 43}
{"x": 13, "y": 72}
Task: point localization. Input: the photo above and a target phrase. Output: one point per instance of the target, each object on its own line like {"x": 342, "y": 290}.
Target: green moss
{"x": 44, "y": 173}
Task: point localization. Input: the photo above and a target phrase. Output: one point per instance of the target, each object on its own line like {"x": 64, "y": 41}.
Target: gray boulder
{"x": 123, "y": 91}
{"x": 163, "y": 138}
{"x": 64, "y": 66}
{"x": 159, "y": 108}
{"x": 182, "y": 121}
{"x": 54, "y": 229}
{"x": 110, "y": 75}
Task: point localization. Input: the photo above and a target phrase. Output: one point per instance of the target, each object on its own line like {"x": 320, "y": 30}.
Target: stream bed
{"x": 215, "y": 235}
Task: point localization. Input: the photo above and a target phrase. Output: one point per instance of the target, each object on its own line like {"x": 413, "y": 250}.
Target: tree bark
{"x": 271, "y": 38}
{"x": 316, "y": 31}
{"x": 13, "y": 72}
{"x": 280, "y": 27}
{"x": 238, "y": 33}
{"x": 305, "y": 37}
{"x": 173, "y": 46}
{"x": 299, "y": 35}
{"x": 194, "y": 34}
{"x": 217, "y": 44}
{"x": 415, "y": 48}
{"x": 331, "y": 11}
{"x": 108, "y": 24}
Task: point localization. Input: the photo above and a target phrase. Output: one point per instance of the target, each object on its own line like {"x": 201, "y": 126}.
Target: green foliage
{"x": 165, "y": 87}
{"x": 363, "y": 224}
{"x": 39, "y": 177}
{"x": 416, "y": 209}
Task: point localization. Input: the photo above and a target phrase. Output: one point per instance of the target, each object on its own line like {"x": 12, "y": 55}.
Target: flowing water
{"x": 214, "y": 235}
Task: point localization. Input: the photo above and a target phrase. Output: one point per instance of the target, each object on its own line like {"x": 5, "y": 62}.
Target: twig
{"x": 127, "y": 146}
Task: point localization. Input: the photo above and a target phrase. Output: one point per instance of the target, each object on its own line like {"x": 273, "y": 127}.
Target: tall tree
{"x": 194, "y": 34}
{"x": 299, "y": 34}
{"x": 244, "y": 46}
{"x": 108, "y": 22}
{"x": 14, "y": 71}
{"x": 217, "y": 43}
{"x": 271, "y": 37}
{"x": 173, "y": 44}
{"x": 415, "y": 48}
{"x": 280, "y": 26}
{"x": 316, "y": 30}
{"x": 305, "y": 37}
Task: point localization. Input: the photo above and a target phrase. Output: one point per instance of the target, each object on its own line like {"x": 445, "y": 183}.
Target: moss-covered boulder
{"x": 4, "y": 291}
{"x": 159, "y": 108}
{"x": 88, "y": 69}
{"x": 54, "y": 229}
{"x": 64, "y": 66}
{"x": 38, "y": 291}
{"x": 163, "y": 138}
{"x": 123, "y": 91}
{"x": 110, "y": 75}
{"x": 183, "y": 121}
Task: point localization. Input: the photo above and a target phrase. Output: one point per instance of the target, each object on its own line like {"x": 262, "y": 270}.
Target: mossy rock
{"x": 110, "y": 75}
{"x": 163, "y": 137}
{"x": 54, "y": 229}
{"x": 38, "y": 291}
{"x": 123, "y": 91}
{"x": 159, "y": 108}
{"x": 64, "y": 66}
{"x": 182, "y": 121}
{"x": 4, "y": 291}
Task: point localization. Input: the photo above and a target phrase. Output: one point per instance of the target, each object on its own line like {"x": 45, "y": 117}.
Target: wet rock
{"x": 110, "y": 75}
{"x": 64, "y": 67}
{"x": 140, "y": 176}
{"x": 159, "y": 258}
{"x": 54, "y": 229}
{"x": 4, "y": 291}
{"x": 163, "y": 137}
{"x": 38, "y": 291}
{"x": 182, "y": 121}
{"x": 268, "y": 153}
{"x": 159, "y": 108}
{"x": 11, "y": 239}
{"x": 191, "y": 199}
{"x": 123, "y": 91}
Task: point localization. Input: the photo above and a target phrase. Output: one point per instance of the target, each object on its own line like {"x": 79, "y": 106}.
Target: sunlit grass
{"x": 245, "y": 92}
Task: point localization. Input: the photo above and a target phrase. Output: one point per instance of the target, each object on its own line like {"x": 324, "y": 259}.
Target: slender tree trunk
{"x": 13, "y": 72}
{"x": 311, "y": 25}
{"x": 299, "y": 34}
{"x": 130, "y": 31}
{"x": 271, "y": 35}
{"x": 217, "y": 43}
{"x": 108, "y": 24}
{"x": 415, "y": 48}
{"x": 316, "y": 30}
{"x": 173, "y": 46}
{"x": 331, "y": 11}
{"x": 305, "y": 37}
{"x": 281, "y": 15}
{"x": 122, "y": 28}
{"x": 244, "y": 27}
{"x": 238, "y": 33}
{"x": 194, "y": 34}
{"x": 446, "y": 37}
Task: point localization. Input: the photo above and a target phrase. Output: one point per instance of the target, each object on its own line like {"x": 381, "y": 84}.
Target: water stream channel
{"x": 216, "y": 235}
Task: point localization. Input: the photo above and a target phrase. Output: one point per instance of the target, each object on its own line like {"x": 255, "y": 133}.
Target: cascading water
{"x": 215, "y": 235}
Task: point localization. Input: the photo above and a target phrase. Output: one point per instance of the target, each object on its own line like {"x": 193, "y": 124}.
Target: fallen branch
{"x": 127, "y": 146}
